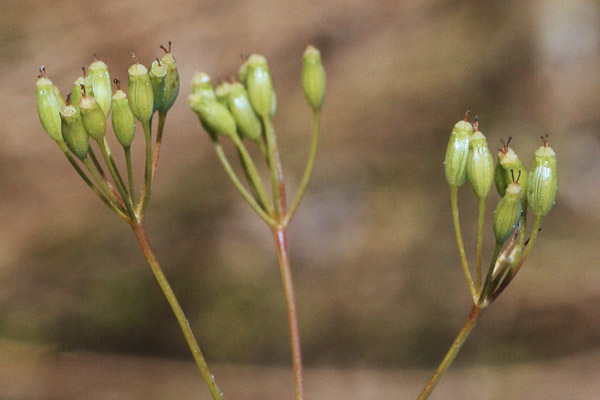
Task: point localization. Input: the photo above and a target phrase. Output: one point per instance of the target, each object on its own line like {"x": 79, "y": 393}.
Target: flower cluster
{"x": 468, "y": 158}
{"x": 244, "y": 109}
{"x": 80, "y": 120}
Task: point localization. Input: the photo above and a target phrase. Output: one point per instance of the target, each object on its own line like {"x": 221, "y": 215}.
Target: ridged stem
{"x": 459, "y": 241}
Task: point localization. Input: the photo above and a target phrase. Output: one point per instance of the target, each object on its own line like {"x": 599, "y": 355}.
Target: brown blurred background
{"x": 379, "y": 288}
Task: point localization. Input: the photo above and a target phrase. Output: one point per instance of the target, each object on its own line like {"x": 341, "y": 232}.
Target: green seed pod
{"x": 141, "y": 97}
{"x": 92, "y": 117}
{"x": 258, "y": 83}
{"x": 455, "y": 164}
{"x": 508, "y": 212}
{"x": 214, "y": 116}
{"x": 480, "y": 165}
{"x": 201, "y": 84}
{"x": 48, "y": 106}
{"x": 172, "y": 83}
{"x": 76, "y": 90}
{"x": 243, "y": 72}
{"x": 543, "y": 180}
{"x": 122, "y": 117}
{"x": 509, "y": 161}
{"x": 222, "y": 92}
{"x": 99, "y": 79}
{"x": 73, "y": 132}
{"x": 313, "y": 78}
{"x": 59, "y": 95}
{"x": 500, "y": 178}
{"x": 247, "y": 121}
{"x": 158, "y": 72}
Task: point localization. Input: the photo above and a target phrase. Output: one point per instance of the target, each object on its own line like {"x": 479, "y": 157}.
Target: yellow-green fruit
{"x": 214, "y": 116}
{"x": 157, "y": 73}
{"x": 141, "y": 96}
{"x": 73, "y": 132}
{"x": 48, "y": 107}
{"x": 122, "y": 119}
{"x": 480, "y": 165}
{"x": 259, "y": 85}
{"x": 508, "y": 212}
{"x": 202, "y": 85}
{"x": 455, "y": 164}
{"x": 512, "y": 165}
{"x": 76, "y": 94}
{"x": 99, "y": 79}
{"x": 313, "y": 78}
{"x": 247, "y": 121}
{"x": 92, "y": 117}
{"x": 172, "y": 82}
{"x": 222, "y": 92}
{"x": 543, "y": 181}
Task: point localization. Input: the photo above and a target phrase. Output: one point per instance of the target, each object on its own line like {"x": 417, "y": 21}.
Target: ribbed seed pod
{"x": 141, "y": 96}
{"x": 500, "y": 178}
{"x": 543, "y": 180}
{"x": 92, "y": 117}
{"x": 172, "y": 83}
{"x": 214, "y": 116}
{"x": 222, "y": 92}
{"x": 157, "y": 73}
{"x": 202, "y": 85}
{"x": 313, "y": 78}
{"x": 122, "y": 118}
{"x": 509, "y": 161}
{"x": 480, "y": 165}
{"x": 99, "y": 79}
{"x": 76, "y": 90}
{"x": 48, "y": 107}
{"x": 73, "y": 132}
{"x": 259, "y": 85}
{"x": 247, "y": 121}
{"x": 508, "y": 212}
{"x": 455, "y": 164}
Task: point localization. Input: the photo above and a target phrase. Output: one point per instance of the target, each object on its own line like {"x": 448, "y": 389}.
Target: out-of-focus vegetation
{"x": 376, "y": 270}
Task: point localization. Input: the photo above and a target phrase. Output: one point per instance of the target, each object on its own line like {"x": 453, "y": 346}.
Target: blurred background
{"x": 380, "y": 292}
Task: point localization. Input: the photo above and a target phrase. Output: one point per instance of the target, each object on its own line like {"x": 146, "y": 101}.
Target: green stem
{"x": 162, "y": 117}
{"x": 253, "y": 178}
{"x": 148, "y": 170}
{"x": 309, "y": 166}
{"x": 490, "y": 273}
{"x": 247, "y": 196}
{"x": 482, "y": 201}
{"x": 459, "y": 240}
{"x": 454, "y": 349}
{"x": 112, "y": 167}
{"x": 277, "y": 183}
{"x": 286, "y": 277}
{"x": 101, "y": 182}
{"x": 140, "y": 234}
{"x": 130, "y": 173}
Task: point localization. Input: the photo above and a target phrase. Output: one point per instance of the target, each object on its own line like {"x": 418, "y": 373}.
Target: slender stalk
{"x": 148, "y": 170}
{"x": 454, "y": 349}
{"x": 88, "y": 182}
{"x": 482, "y": 201}
{"x": 112, "y": 167}
{"x": 252, "y": 174}
{"x": 130, "y": 173}
{"x": 252, "y": 186}
{"x": 309, "y": 166}
{"x": 104, "y": 177}
{"x": 277, "y": 183}
{"x": 286, "y": 277}
{"x": 140, "y": 234}
{"x": 247, "y": 196}
{"x": 162, "y": 117}
{"x": 101, "y": 182}
{"x": 459, "y": 240}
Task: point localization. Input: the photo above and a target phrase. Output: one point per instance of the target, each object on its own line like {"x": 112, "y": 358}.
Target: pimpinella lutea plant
{"x": 242, "y": 112}
{"x": 468, "y": 158}
{"x": 78, "y": 125}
